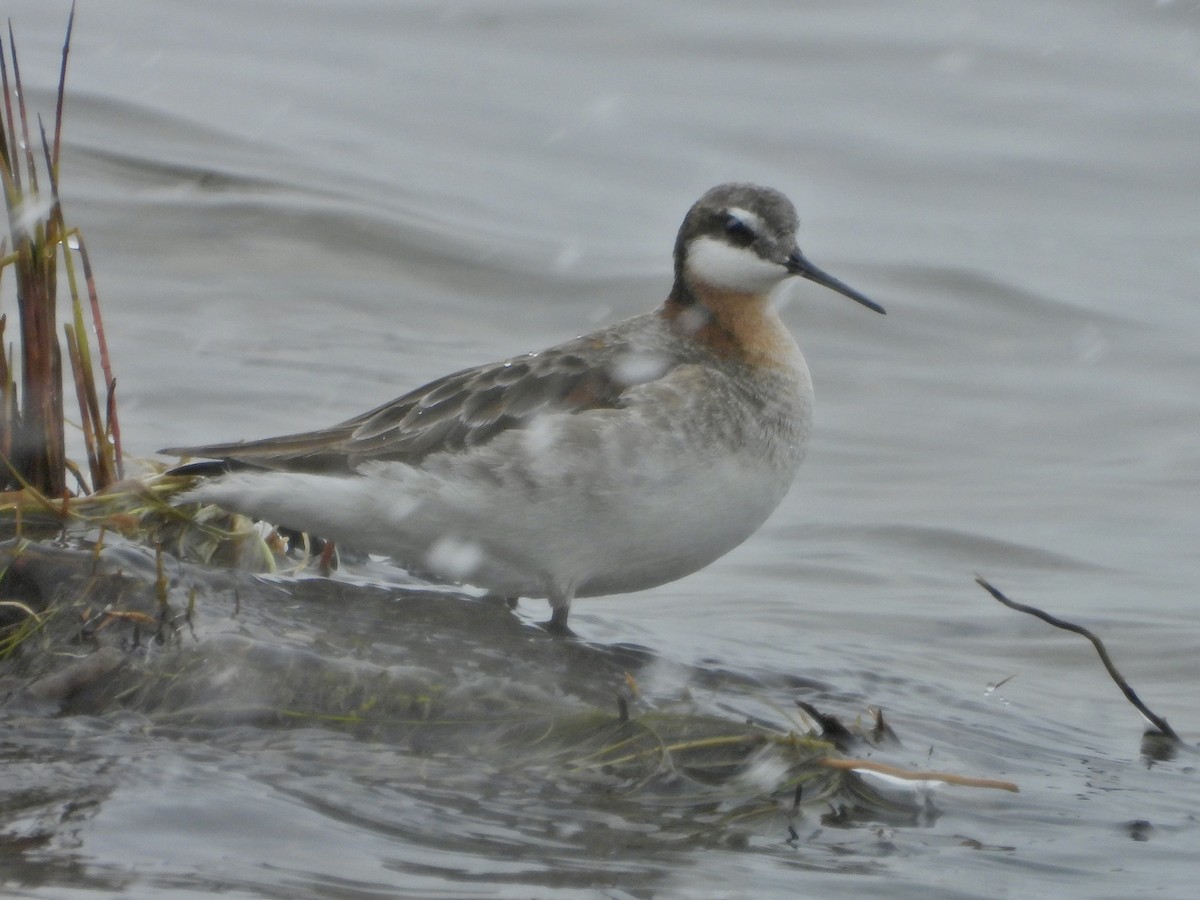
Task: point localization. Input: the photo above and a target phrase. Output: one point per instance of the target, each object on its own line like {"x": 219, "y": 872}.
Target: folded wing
{"x": 459, "y": 411}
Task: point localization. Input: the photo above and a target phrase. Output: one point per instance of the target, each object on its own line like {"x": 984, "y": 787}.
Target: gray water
{"x": 299, "y": 210}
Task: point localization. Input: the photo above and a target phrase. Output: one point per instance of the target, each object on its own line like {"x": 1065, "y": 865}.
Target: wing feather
{"x": 459, "y": 411}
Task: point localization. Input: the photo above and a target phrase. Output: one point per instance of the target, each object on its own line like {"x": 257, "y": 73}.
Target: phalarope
{"x": 617, "y": 461}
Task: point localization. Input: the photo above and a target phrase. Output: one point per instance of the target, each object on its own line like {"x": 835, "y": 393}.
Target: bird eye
{"x": 739, "y": 232}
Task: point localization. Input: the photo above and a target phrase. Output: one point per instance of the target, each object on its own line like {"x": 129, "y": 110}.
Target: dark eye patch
{"x": 739, "y": 232}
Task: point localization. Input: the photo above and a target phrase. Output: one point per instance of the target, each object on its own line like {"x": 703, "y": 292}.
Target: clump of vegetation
{"x": 33, "y": 459}
{"x": 45, "y": 271}
{"x": 41, "y": 489}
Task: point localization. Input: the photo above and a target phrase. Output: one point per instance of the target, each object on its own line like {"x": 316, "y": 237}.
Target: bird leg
{"x": 558, "y": 620}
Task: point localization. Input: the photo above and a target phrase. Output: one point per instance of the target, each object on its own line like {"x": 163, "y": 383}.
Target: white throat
{"x": 730, "y": 268}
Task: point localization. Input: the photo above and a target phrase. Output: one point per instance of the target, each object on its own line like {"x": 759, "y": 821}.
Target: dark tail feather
{"x": 208, "y": 468}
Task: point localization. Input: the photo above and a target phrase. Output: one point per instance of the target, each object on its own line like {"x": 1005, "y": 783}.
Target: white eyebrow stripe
{"x": 751, "y": 220}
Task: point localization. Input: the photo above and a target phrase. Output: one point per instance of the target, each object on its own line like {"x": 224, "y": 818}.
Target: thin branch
{"x": 25, "y": 142}
{"x": 1155, "y": 720}
{"x": 8, "y": 141}
{"x": 830, "y": 762}
{"x": 62, "y": 89}
{"x": 89, "y": 427}
{"x": 112, "y": 425}
{"x": 17, "y": 604}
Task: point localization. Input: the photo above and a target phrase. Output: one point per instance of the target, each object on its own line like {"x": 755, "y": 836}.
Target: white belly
{"x": 624, "y": 538}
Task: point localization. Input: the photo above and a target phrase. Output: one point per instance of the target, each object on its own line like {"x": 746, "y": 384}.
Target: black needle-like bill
{"x": 798, "y": 265}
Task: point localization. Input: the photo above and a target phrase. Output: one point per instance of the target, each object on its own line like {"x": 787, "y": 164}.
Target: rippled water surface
{"x": 299, "y": 210}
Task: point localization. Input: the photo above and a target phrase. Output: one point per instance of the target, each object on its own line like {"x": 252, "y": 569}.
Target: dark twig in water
{"x": 882, "y": 732}
{"x": 831, "y": 729}
{"x": 1155, "y": 720}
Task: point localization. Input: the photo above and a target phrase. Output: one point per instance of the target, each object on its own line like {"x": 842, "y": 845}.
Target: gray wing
{"x": 459, "y": 411}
